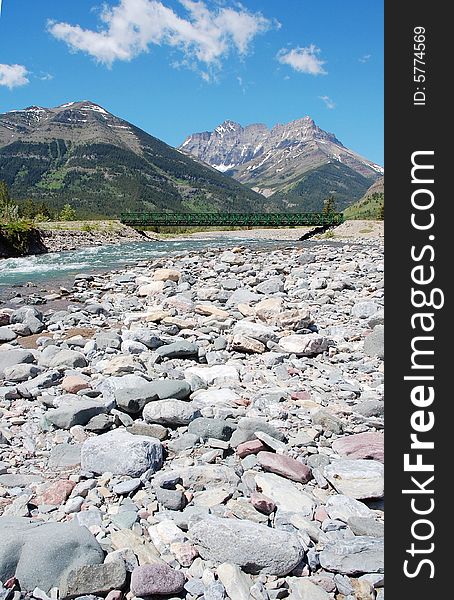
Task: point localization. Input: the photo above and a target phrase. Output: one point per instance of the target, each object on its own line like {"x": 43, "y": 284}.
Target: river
{"x": 62, "y": 266}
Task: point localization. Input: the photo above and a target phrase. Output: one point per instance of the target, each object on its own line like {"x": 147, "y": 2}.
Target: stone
{"x": 166, "y": 275}
{"x": 64, "y": 456}
{"x": 236, "y": 583}
{"x": 262, "y": 503}
{"x": 66, "y": 359}
{"x": 73, "y": 384}
{"x": 253, "y": 547}
{"x": 302, "y": 588}
{"x": 256, "y": 331}
{"x": 169, "y": 412}
{"x": 20, "y": 373}
{"x": 56, "y": 493}
{"x": 285, "y": 494}
{"x": 364, "y": 310}
{"x": 145, "y": 551}
{"x": 7, "y": 335}
{"x": 158, "y": 579}
{"x": 354, "y": 556}
{"x": 374, "y": 343}
{"x": 74, "y": 410}
{"x": 360, "y": 479}
{"x": 242, "y": 343}
{"x": 328, "y": 421}
{"x": 211, "y": 374}
{"x": 305, "y": 345}
{"x": 250, "y": 447}
{"x": 180, "y": 349}
{"x": 367, "y": 526}
{"x": 121, "y": 453}
{"x": 343, "y": 508}
{"x": 151, "y": 289}
{"x": 361, "y": 446}
{"x": 127, "y": 487}
{"x": 133, "y": 400}
{"x": 150, "y": 430}
{"x": 285, "y": 466}
{"x": 94, "y": 579}
{"x": 211, "y": 428}
{"x": 42, "y": 554}
{"x": 171, "y": 499}
{"x": 9, "y": 358}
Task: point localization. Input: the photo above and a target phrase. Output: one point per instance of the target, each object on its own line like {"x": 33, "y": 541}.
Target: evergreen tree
{"x": 5, "y": 199}
{"x": 68, "y": 213}
{"x": 329, "y": 206}
{"x": 381, "y": 212}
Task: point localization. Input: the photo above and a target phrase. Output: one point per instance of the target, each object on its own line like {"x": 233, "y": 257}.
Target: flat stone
{"x": 169, "y": 412}
{"x": 374, "y": 343}
{"x": 149, "y": 430}
{"x": 74, "y": 410}
{"x": 211, "y": 428}
{"x": 236, "y": 583}
{"x": 364, "y": 310}
{"x": 171, "y": 499}
{"x": 201, "y": 477}
{"x": 285, "y": 466}
{"x": 262, "y": 503}
{"x": 73, "y": 384}
{"x": 56, "y": 493}
{"x": 159, "y": 579}
{"x": 12, "y": 480}
{"x": 242, "y": 343}
{"x": 64, "y": 456}
{"x": 250, "y": 447}
{"x": 253, "y": 547}
{"x": 42, "y": 554}
{"x": 121, "y": 453}
{"x": 360, "y": 479}
{"x": 256, "y": 331}
{"x": 301, "y": 588}
{"x": 366, "y": 526}
{"x": 67, "y": 359}
{"x": 284, "y": 493}
{"x": 180, "y": 349}
{"x": 166, "y": 275}
{"x": 20, "y": 373}
{"x": 7, "y": 335}
{"x": 361, "y": 446}
{"x": 94, "y": 579}
{"x": 305, "y": 345}
{"x": 354, "y": 556}
{"x": 343, "y": 508}
{"x": 14, "y": 357}
{"x": 211, "y": 374}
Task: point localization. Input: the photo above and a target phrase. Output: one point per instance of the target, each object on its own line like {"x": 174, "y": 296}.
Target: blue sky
{"x": 175, "y": 67}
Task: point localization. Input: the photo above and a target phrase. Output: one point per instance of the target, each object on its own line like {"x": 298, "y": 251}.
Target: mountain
{"x": 370, "y": 205}
{"x": 298, "y": 163}
{"x": 102, "y": 165}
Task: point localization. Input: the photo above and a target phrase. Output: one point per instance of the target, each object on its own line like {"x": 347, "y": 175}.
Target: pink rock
{"x": 184, "y": 553}
{"x": 361, "y": 445}
{"x": 303, "y": 395}
{"x": 262, "y": 503}
{"x": 73, "y": 383}
{"x": 320, "y": 514}
{"x": 250, "y": 447}
{"x": 114, "y": 595}
{"x": 57, "y": 493}
{"x": 285, "y": 466}
{"x": 156, "y": 578}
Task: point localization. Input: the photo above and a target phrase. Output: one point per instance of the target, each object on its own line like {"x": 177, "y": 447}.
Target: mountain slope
{"x": 294, "y": 162}
{"x": 370, "y": 205}
{"x": 82, "y": 154}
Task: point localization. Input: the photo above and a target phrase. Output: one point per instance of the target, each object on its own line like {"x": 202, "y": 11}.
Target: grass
{"x": 16, "y": 234}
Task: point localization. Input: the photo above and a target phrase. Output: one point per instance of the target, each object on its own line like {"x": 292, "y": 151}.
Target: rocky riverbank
{"x": 199, "y": 427}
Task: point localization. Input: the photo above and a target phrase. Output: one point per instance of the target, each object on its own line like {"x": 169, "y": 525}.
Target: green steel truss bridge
{"x": 231, "y": 219}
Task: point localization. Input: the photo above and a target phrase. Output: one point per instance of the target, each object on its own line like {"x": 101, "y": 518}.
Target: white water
{"x": 61, "y": 265}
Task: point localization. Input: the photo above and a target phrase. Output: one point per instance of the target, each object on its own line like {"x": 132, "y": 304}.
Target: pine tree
{"x": 329, "y": 206}
{"x": 68, "y": 213}
{"x": 381, "y": 212}
{"x": 5, "y": 199}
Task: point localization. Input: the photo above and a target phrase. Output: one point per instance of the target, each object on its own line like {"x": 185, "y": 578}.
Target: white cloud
{"x": 303, "y": 60}
{"x": 328, "y": 102}
{"x": 366, "y": 58}
{"x": 12, "y": 76}
{"x": 45, "y": 77}
{"x": 204, "y": 36}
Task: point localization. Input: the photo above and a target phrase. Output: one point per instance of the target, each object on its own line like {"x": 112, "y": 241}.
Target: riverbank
{"x": 207, "y": 424}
